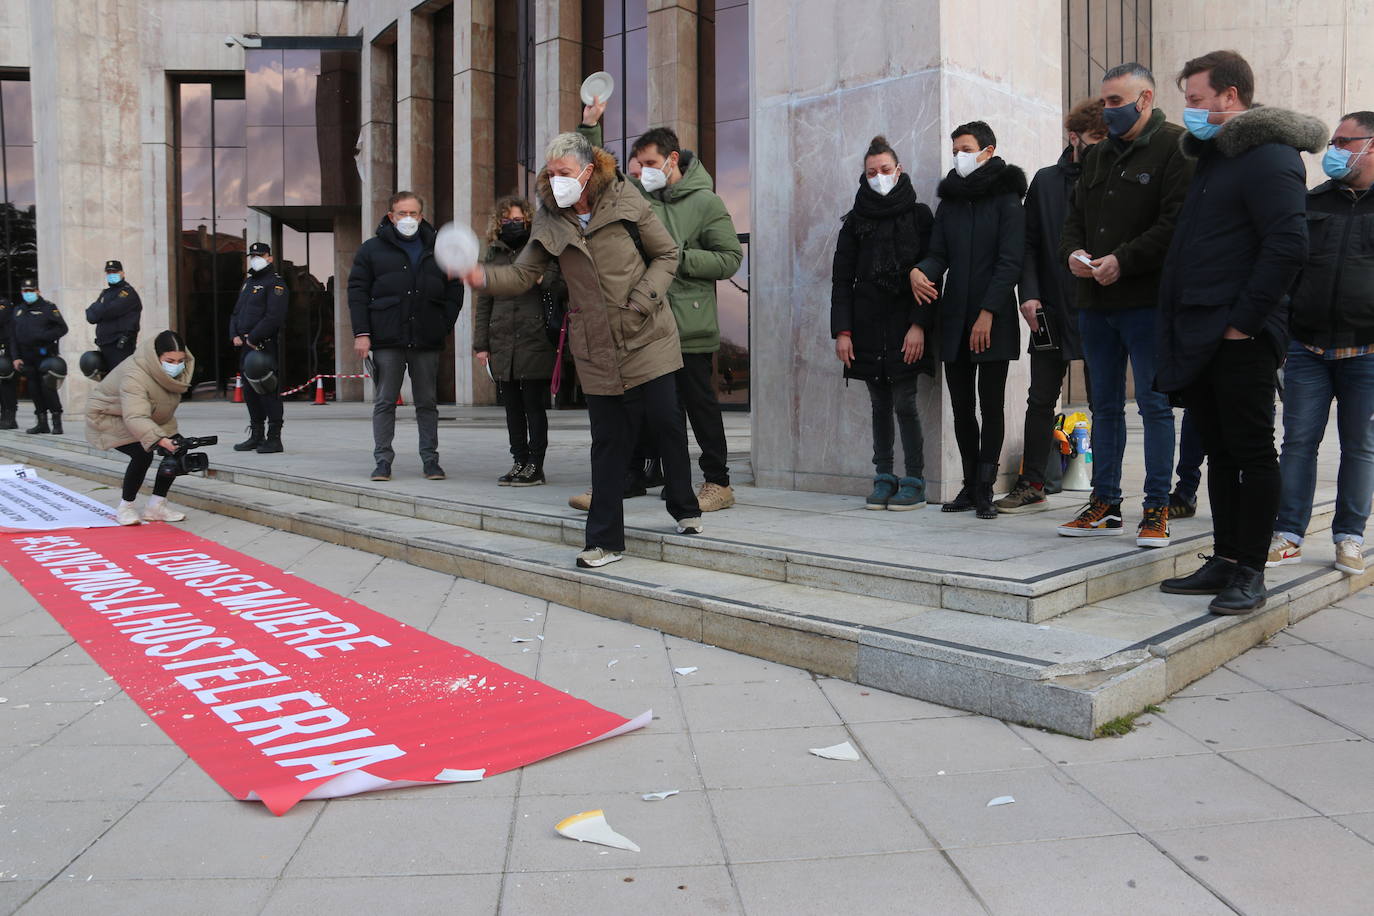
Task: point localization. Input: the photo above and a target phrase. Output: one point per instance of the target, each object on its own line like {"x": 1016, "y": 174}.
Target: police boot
{"x": 57, "y": 422}
{"x": 253, "y": 441}
{"x": 42, "y": 425}
{"x": 7, "y": 420}
{"x": 272, "y": 443}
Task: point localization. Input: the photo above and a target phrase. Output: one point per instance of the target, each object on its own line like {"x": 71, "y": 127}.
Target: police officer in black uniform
{"x": 34, "y": 331}
{"x": 9, "y": 379}
{"x": 256, "y": 324}
{"x": 115, "y": 314}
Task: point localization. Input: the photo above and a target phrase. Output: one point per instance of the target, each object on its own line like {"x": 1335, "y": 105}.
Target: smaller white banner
{"x": 30, "y": 503}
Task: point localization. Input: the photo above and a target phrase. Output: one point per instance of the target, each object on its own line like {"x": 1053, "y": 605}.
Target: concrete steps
{"x": 1117, "y": 645}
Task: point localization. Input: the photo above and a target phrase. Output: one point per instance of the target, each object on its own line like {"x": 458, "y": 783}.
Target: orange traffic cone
{"x": 319, "y": 389}
{"x": 238, "y": 389}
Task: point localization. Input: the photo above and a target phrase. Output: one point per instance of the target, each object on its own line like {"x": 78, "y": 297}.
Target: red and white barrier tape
{"x": 312, "y": 380}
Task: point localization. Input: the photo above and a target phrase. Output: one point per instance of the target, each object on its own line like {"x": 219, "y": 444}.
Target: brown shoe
{"x": 1154, "y": 528}
{"x": 712, "y": 497}
{"x": 582, "y": 502}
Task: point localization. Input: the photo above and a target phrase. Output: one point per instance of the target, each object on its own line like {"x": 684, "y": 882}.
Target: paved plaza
{"x": 1251, "y": 791}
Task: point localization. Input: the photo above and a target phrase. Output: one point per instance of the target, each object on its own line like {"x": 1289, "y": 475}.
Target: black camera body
{"x": 186, "y": 460}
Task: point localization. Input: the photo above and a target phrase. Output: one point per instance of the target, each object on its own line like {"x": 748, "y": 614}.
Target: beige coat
{"x": 137, "y": 402}
{"x": 621, "y": 331}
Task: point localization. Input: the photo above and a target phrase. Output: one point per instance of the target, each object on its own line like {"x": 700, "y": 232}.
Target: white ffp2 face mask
{"x": 256, "y": 263}
{"x": 566, "y": 191}
{"x": 653, "y": 179}
{"x": 967, "y": 163}
{"x": 407, "y": 226}
{"x": 883, "y": 184}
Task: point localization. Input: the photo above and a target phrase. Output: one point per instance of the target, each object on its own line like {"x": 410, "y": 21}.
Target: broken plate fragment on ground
{"x": 591, "y": 827}
{"x": 844, "y": 751}
{"x": 684, "y": 671}
{"x": 659, "y": 796}
{"x": 1001, "y": 800}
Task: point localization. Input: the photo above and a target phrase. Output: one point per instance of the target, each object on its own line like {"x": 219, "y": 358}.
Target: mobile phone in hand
{"x": 1041, "y": 338}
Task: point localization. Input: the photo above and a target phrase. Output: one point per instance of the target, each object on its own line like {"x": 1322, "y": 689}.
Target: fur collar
{"x": 1258, "y": 126}
{"x": 604, "y": 173}
{"x": 995, "y": 177}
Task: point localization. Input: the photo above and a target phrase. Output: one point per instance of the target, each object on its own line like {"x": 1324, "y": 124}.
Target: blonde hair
{"x": 502, "y": 210}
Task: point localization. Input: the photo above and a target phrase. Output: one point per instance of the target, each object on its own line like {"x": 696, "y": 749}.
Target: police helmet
{"x": 260, "y": 371}
{"x": 53, "y": 370}
{"x": 6, "y": 368}
{"x": 93, "y": 365}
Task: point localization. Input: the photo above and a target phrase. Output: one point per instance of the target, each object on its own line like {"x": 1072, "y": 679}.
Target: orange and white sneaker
{"x": 1154, "y": 528}
{"x": 1097, "y": 519}
{"x": 1283, "y": 552}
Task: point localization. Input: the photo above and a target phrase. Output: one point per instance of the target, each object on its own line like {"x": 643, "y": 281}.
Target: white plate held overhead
{"x": 600, "y": 85}
{"x": 455, "y": 248}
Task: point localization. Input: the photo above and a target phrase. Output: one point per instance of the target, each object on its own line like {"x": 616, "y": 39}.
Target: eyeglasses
{"x": 1341, "y": 141}
{"x": 512, "y": 222}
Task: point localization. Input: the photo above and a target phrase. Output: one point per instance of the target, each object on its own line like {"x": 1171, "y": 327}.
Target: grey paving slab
{"x": 1334, "y": 778}
{"x": 1302, "y": 665}
{"x": 565, "y": 627}
{"x": 23, "y": 651}
{"x": 1221, "y": 682}
{"x": 646, "y": 761}
{"x": 1250, "y": 720}
{"x": 188, "y": 783}
{"x": 956, "y": 745}
{"x": 1153, "y": 736}
{"x": 55, "y": 773}
{"x": 775, "y": 757}
{"x": 1351, "y": 706}
{"x": 65, "y": 896}
{"x": 897, "y": 883}
{"x": 1252, "y": 866}
{"x": 116, "y": 721}
{"x": 60, "y": 684}
{"x": 579, "y": 669}
{"x": 625, "y": 891}
{"x": 1084, "y": 877}
{"x": 857, "y": 703}
{"x": 1360, "y": 650}
{"x": 42, "y": 838}
{"x": 417, "y": 895}
{"x": 744, "y": 707}
{"x": 721, "y": 666}
{"x": 14, "y": 893}
{"x": 71, "y": 654}
{"x": 1338, "y": 624}
{"x": 1174, "y": 792}
{"x": 33, "y": 622}
{"x": 1359, "y": 824}
{"x": 29, "y": 723}
{"x": 405, "y": 836}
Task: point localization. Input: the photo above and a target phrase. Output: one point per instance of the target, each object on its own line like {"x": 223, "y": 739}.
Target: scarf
{"x": 886, "y": 226}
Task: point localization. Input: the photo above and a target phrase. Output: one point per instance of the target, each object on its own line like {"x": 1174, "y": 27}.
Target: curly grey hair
{"x": 569, "y": 144}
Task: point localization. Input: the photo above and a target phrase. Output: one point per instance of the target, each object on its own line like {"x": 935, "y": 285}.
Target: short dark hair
{"x": 978, "y": 130}
{"x": 1363, "y": 118}
{"x": 665, "y": 138}
{"x": 879, "y": 146}
{"x": 1086, "y": 118}
{"x": 1224, "y": 69}
{"x": 168, "y": 341}
{"x": 1138, "y": 70}
{"x": 405, "y": 195}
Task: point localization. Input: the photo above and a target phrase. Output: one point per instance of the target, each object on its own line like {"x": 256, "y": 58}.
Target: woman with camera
{"x": 133, "y": 410}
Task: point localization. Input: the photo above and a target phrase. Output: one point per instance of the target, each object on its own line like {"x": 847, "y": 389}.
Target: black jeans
{"x": 963, "y": 378}
{"x": 1190, "y": 457}
{"x": 527, "y": 421}
{"x": 1232, "y": 404}
{"x": 698, "y": 399}
{"x": 140, "y": 459}
{"x": 889, "y": 397}
{"x": 616, "y": 421}
{"x": 261, "y": 407}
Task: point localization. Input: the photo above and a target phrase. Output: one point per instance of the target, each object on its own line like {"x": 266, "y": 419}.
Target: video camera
{"x": 186, "y": 460}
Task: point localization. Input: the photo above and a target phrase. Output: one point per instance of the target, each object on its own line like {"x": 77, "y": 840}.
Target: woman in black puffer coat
{"x": 878, "y": 326}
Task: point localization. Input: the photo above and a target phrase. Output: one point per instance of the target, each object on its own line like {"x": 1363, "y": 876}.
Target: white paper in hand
{"x": 600, "y": 85}
{"x": 455, "y": 248}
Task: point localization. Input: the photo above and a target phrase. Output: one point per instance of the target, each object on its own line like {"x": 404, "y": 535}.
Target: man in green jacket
{"x": 681, "y": 192}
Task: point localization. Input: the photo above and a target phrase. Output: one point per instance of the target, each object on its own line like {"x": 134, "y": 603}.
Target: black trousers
{"x": 44, "y": 396}
{"x": 888, "y": 397}
{"x": 527, "y": 420}
{"x": 1232, "y": 403}
{"x": 698, "y": 399}
{"x": 978, "y": 390}
{"x": 140, "y": 459}
{"x": 9, "y": 395}
{"x": 616, "y": 422}
{"x": 114, "y": 356}
{"x": 262, "y": 408}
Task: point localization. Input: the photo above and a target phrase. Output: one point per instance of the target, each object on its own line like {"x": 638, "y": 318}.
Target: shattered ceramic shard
{"x": 612, "y": 663}
{"x": 522, "y": 639}
{"x": 685, "y": 671}
{"x": 843, "y": 751}
{"x": 1001, "y": 800}
{"x": 659, "y": 796}
{"x": 591, "y": 827}
{"x": 451, "y": 775}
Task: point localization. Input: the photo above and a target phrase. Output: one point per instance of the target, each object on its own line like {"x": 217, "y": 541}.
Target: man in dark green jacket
{"x": 681, "y": 193}
{"x": 1119, "y": 225}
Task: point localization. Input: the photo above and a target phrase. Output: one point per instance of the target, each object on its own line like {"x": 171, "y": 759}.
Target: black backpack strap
{"x": 632, "y": 228}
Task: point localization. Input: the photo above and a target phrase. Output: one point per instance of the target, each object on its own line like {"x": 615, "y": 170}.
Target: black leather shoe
{"x": 252, "y": 442}
{"x": 433, "y": 471}
{"x": 1211, "y": 579}
{"x": 1246, "y": 592}
{"x": 962, "y": 503}
{"x": 382, "y": 471}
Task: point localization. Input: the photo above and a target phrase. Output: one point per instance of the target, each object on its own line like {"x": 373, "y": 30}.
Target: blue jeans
{"x": 1190, "y": 458}
{"x": 1309, "y": 384}
{"x": 1109, "y": 339}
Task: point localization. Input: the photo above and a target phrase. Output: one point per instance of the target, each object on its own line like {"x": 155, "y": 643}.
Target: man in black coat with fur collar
{"x": 1239, "y": 247}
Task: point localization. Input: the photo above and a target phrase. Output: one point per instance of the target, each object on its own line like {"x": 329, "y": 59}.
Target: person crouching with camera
{"x": 133, "y": 410}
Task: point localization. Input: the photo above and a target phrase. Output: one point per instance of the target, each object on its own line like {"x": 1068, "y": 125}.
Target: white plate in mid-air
{"x": 600, "y": 85}
{"x": 455, "y": 248}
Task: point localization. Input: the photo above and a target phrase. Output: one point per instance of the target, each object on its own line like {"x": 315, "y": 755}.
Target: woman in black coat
{"x": 977, "y": 247}
{"x": 878, "y": 326}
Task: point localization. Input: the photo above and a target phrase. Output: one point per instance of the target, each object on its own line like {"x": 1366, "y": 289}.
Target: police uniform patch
{"x": 279, "y": 289}
{"x": 1143, "y": 178}
{"x": 124, "y": 292}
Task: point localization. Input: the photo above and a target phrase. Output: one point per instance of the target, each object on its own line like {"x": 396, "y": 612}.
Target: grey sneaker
{"x": 1024, "y": 496}
{"x": 597, "y": 557}
{"x": 884, "y": 488}
{"x": 689, "y": 525}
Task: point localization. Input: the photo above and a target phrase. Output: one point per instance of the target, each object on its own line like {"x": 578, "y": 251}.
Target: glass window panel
{"x": 303, "y": 170}
{"x": 195, "y": 114}
{"x": 300, "y": 74}
{"x": 321, "y": 256}
{"x": 19, "y": 176}
{"x": 732, "y": 63}
{"x": 613, "y": 122}
{"x": 294, "y": 247}
{"x": 636, "y": 83}
{"x": 263, "y": 179}
{"x": 197, "y": 203}
{"x": 18, "y": 102}
{"x": 732, "y": 170}
{"x": 636, "y": 14}
{"x": 613, "y": 22}
{"x": 262, "y": 86}
{"x": 230, "y": 115}
{"x": 230, "y": 167}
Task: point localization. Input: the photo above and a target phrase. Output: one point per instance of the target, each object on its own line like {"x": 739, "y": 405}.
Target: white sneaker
{"x": 689, "y": 525}
{"x": 1350, "y": 557}
{"x": 1283, "y": 552}
{"x": 163, "y": 513}
{"x": 597, "y": 557}
{"x": 128, "y": 515}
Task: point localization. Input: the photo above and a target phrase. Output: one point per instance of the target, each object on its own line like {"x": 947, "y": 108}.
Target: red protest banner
{"x": 280, "y": 689}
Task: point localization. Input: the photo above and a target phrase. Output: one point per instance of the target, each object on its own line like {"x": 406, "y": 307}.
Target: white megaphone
{"x": 1079, "y": 474}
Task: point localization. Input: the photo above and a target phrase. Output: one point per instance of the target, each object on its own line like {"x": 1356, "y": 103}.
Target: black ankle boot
{"x": 7, "y": 420}
{"x": 982, "y": 493}
{"x": 964, "y": 501}
{"x": 57, "y": 422}
{"x": 1246, "y": 592}
{"x": 41, "y": 426}
{"x": 1211, "y": 579}
{"x": 253, "y": 441}
{"x": 271, "y": 443}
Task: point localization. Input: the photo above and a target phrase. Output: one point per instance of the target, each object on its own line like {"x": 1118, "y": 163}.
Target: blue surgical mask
{"x": 173, "y": 369}
{"x": 1338, "y": 163}
{"x": 113, "y": 279}
{"x": 1121, "y": 119}
{"x": 30, "y": 298}
{"x": 1195, "y": 119}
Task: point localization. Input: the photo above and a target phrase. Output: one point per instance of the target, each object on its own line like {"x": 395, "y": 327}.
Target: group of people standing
{"x": 1179, "y": 251}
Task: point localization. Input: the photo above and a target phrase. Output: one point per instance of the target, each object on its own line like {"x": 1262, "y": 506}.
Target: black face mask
{"x": 514, "y": 234}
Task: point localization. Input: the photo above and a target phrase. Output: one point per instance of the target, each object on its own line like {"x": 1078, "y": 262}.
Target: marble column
{"x": 415, "y": 104}
{"x": 557, "y": 68}
{"x": 673, "y": 68}
{"x": 825, "y": 80}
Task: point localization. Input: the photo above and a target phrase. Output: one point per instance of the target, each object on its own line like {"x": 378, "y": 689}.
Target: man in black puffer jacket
{"x": 403, "y": 308}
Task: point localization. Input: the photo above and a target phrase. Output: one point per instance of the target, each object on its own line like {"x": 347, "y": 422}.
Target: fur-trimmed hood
{"x": 1258, "y": 126}
{"x": 604, "y": 174}
{"x": 995, "y": 177}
